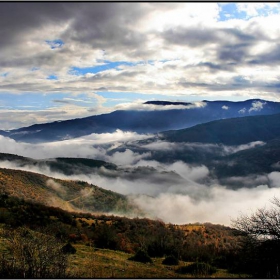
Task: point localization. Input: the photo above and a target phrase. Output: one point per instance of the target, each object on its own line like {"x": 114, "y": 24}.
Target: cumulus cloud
{"x": 254, "y": 9}
{"x": 174, "y": 49}
{"x": 225, "y": 107}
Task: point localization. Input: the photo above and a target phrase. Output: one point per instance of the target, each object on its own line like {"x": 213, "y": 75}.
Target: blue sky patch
{"x": 52, "y": 77}
{"x": 55, "y": 44}
{"x": 230, "y": 11}
{"x": 29, "y": 101}
{"x": 114, "y": 98}
{"x": 80, "y": 71}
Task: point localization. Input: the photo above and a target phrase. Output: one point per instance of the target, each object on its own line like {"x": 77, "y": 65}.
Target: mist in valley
{"x": 175, "y": 192}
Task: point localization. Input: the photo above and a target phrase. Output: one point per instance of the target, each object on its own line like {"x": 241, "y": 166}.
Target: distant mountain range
{"x": 144, "y": 121}
{"x": 214, "y": 144}
{"x": 233, "y": 131}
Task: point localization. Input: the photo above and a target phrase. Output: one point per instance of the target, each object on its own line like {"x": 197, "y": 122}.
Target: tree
{"x": 259, "y": 254}
{"x": 106, "y": 237}
{"x": 170, "y": 260}
{"x": 263, "y": 224}
{"x": 141, "y": 256}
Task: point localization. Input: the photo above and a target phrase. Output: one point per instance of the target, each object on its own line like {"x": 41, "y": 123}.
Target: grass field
{"x": 90, "y": 262}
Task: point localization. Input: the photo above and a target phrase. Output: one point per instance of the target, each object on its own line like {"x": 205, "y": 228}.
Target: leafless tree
{"x": 263, "y": 224}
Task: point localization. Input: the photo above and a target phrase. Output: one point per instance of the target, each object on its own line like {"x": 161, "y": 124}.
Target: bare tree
{"x": 263, "y": 224}
{"x": 259, "y": 254}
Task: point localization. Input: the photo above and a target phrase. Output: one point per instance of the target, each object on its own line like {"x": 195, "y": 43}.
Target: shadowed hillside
{"x": 66, "y": 194}
{"x": 234, "y": 131}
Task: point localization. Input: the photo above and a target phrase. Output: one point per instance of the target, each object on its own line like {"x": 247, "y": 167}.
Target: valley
{"x": 115, "y": 194}
{"x": 139, "y": 140}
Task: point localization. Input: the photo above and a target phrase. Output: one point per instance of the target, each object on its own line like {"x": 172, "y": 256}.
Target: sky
{"x": 64, "y": 60}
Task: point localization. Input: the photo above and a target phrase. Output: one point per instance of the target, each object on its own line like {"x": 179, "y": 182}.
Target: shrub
{"x": 197, "y": 269}
{"x": 141, "y": 256}
{"x": 34, "y": 255}
{"x": 170, "y": 260}
{"x": 68, "y": 249}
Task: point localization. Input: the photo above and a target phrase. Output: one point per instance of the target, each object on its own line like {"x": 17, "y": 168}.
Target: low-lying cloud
{"x": 139, "y": 105}
{"x": 175, "y": 192}
{"x": 179, "y": 200}
{"x": 257, "y": 106}
{"x": 56, "y": 186}
{"x": 222, "y": 206}
{"x": 89, "y": 146}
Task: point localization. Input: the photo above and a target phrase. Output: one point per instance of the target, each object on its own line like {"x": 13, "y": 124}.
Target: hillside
{"x": 257, "y": 160}
{"x": 234, "y": 131}
{"x": 66, "y": 194}
{"x": 145, "y": 120}
{"x": 84, "y": 166}
{"x": 101, "y": 236}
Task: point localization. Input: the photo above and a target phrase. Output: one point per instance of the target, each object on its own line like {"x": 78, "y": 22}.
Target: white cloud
{"x": 117, "y": 136}
{"x": 225, "y": 107}
{"x": 234, "y": 149}
{"x": 171, "y": 192}
{"x": 127, "y": 157}
{"x": 56, "y": 186}
{"x": 139, "y": 105}
{"x": 242, "y": 111}
{"x": 255, "y": 9}
{"x": 257, "y": 106}
{"x": 201, "y": 56}
{"x": 274, "y": 178}
{"x": 86, "y": 147}
{"x": 221, "y": 207}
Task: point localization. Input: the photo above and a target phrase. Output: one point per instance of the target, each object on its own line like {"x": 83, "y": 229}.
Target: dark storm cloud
{"x": 35, "y": 60}
{"x": 101, "y": 25}
{"x": 270, "y": 57}
{"x": 195, "y": 37}
{"x": 234, "y": 52}
{"x": 109, "y": 25}
{"x": 234, "y": 83}
{"x": 17, "y": 18}
{"x": 192, "y": 37}
{"x": 232, "y": 46}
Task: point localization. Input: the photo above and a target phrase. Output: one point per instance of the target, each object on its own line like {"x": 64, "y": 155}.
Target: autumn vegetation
{"x": 43, "y": 241}
{"x": 28, "y": 226}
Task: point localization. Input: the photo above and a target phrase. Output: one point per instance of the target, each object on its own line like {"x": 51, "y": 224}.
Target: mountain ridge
{"x": 142, "y": 121}
{"x": 234, "y": 131}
